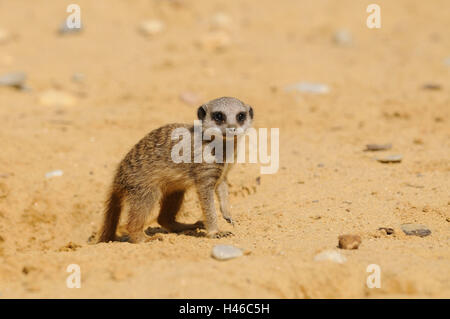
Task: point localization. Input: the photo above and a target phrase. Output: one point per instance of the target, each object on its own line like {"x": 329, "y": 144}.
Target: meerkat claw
{"x": 229, "y": 220}
{"x": 220, "y": 234}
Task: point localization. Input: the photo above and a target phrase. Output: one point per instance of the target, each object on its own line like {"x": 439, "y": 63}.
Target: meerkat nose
{"x": 232, "y": 130}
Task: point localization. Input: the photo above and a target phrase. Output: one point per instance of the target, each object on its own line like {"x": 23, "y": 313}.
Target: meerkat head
{"x": 226, "y": 114}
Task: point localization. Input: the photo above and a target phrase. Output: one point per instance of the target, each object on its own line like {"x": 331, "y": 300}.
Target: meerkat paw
{"x": 137, "y": 238}
{"x": 176, "y": 227}
{"x": 199, "y": 225}
{"x": 220, "y": 234}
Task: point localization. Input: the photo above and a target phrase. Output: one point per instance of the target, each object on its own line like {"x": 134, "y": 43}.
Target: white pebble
{"x": 189, "y": 98}
{"x": 151, "y": 27}
{"x": 306, "y": 87}
{"x": 56, "y": 173}
{"x": 343, "y": 37}
{"x": 54, "y": 97}
{"x": 224, "y": 252}
{"x": 220, "y": 20}
{"x": 330, "y": 255}
{"x": 391, "y": 159}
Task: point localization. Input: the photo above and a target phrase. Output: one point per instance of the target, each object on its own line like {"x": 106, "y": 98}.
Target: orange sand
{"x": 132, "y": 85}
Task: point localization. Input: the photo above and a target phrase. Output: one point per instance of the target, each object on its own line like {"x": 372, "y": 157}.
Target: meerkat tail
{"x": 112, "y": 216}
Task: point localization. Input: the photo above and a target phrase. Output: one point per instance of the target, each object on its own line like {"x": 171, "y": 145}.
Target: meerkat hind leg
{"x": 170, "y": 205}
{"x": 136, "y": 220}
{"x": 141, "y": 205}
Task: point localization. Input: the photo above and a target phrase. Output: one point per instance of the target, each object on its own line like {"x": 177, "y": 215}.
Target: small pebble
{"x": 432, "y": 86}
{"x": 225, "y": 252}
{"x": 447, "y": 61}
{"x": 387, "y": 230}
{"x": 413, "y": 185}
{"x": 56, "y": 173}
{"x": 215, "y": 41}
{"x": 151, "y": 27}
{"x": 391, "y": 159}
{"x": 56, "y": 98}
{"x": 306, "y": 87}
{"x": 15, "y": 80}
{"x": 5, "y": 36}
{"x": 378, "y": 147}
{"x": 92, "y": 239}
{"x": 4, "y": 191}
{"x": 78, "y": 77}
{"x": 220, "y": 20}
{"x": 349, "y": 241}
{"x": 343, "y": 38}
{"x": 330, "y": 255}
{"x": 64, "y": 29}
{"x": 415, "y": 230}
{"x": 189, "y": 98}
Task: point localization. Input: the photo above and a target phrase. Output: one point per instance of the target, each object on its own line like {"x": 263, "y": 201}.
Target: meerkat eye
{"x": 241, "y": 117}
{"x": 218, "y": 117}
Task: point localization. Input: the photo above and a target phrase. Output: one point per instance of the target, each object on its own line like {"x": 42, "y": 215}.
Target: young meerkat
{"x": 148, "y": 174}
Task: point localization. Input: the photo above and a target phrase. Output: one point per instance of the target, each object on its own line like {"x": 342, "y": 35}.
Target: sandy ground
{"x": 326, "y": 184}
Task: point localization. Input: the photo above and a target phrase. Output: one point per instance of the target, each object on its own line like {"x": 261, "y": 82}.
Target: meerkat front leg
{"x": 206, "y": 197}
{"x": 222, "y": 195}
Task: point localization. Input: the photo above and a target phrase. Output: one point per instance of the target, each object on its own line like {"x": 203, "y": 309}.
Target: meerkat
{"x": 148, "y": 175}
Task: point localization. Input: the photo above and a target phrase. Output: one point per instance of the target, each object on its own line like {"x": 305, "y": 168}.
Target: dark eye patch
{"x": 241, "y": 117}
{"x": 219, "y": 117}
{"x": 201, "y": 113}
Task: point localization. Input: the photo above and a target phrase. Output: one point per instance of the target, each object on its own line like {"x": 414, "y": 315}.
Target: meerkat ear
{"x": 201, "y": 112}
{"x": 250, "y": 111}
